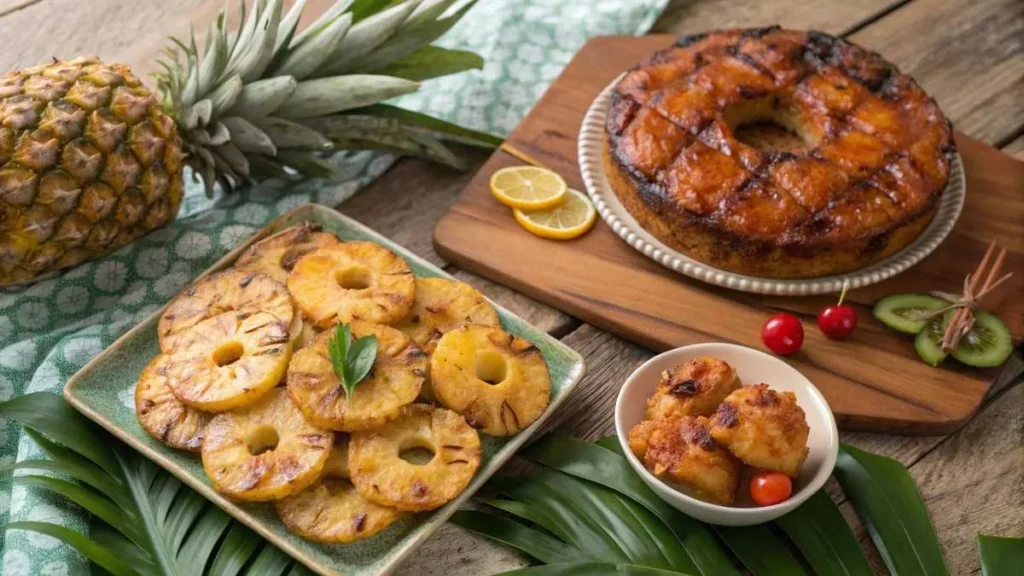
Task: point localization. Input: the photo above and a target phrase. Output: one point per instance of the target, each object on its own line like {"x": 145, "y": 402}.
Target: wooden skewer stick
{"x": 962, "y": 316}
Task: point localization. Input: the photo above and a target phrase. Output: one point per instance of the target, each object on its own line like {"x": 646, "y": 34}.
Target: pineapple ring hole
{"x": 491, "y": 366}
{"x": 355, "y": 277}
{"x": 261, "y": 439}
{"x": 228, "y": 353}
{"x": 419, "y": 452}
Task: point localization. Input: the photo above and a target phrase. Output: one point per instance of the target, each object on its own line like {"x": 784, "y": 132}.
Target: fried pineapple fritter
{"x": 393, "y": 382}
{"x": 232, "y": 290}
{"x": 265, "y": 451}
{"x": 352, "y": 281}
{"x": 162, "y": 415}
{"x": 227, "y": 361}
{"x": 331, "y": 510}
{"x": 381, "y": 475}
{"x": 763, "y": 428}
{"x": 276, "y": 255}
{"x": 681, "y": 450}
{"x": 694, "y": 388}
{"x": 499, "y": 382}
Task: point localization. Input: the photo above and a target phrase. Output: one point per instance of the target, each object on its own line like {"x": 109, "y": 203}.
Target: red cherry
{"x": 769, "y": 488}
{"x": 783, "y": 334}
{"x": 839, "y": 320}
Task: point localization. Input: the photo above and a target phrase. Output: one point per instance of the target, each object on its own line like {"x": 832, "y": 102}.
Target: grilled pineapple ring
{"x": 240, "y": 291}
{"x": 352, "y": 281}
{"x": 499, "y": 382}
{"x": 226, "y": 361}
{"x": 276, "y": 255}
{"x": 443, "y": 305}
{"x": 394, "y": 381}
{"x": 162, "y": 415}
{"x": 382, "y": 476}
{"x": 265, "y": 451}
{"x": 331, "y": 510}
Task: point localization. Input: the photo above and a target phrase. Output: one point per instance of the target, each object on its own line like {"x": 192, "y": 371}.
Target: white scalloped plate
{"x": 622, "y": 223}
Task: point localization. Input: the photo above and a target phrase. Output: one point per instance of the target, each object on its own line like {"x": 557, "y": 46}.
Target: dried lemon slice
{"x": 571, "y": 218}
{"x": 528, "y": 187}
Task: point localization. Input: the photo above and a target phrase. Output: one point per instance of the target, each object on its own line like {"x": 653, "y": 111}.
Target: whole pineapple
{"x": 91, "y": 159}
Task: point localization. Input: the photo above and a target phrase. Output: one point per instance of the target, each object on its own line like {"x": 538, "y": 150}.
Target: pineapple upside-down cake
{"x": 859, "y": 179}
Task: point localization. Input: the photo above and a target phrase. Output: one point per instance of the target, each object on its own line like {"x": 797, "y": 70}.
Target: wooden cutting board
{"x": 873, "y": 381}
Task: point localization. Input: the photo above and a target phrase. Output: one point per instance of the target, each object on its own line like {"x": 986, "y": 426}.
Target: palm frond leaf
{"x": 144, "y": 520}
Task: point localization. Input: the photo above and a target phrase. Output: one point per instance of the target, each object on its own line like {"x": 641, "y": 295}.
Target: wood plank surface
{"x": 832, "y": 16}
{"x": 967, "y": 53}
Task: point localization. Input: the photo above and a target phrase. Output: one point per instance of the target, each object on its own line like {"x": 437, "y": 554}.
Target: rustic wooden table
{"x": 969, "y": 54}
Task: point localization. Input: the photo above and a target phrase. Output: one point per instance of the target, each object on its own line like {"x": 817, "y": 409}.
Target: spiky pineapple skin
{"x": 89, "y": 162}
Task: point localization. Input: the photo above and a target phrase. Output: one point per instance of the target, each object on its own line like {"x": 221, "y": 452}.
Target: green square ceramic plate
{"x": 102, "y": 390}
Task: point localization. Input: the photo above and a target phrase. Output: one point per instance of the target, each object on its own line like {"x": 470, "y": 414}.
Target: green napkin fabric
{"x": 52, "y": 328}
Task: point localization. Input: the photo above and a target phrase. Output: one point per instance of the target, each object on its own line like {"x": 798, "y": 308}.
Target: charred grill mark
{"x": 145, "y": 406}
{"x": 688, "y": 388}
{"x": 759, "y": 32}
{"x": 279, "y": 336}
{"x": 419, "y": 372}
{"x": 268, "y": 351}
{"x": 419, "y": 489}
{"x": 191, "y": 290}
{"x": 458, "y": 462}
{"x": 289, "y": 468}
{"x": 314, "y": 439}
{"x": 451, "y": 447}
{"x": 256, "y": 468}
{"x": 359, "y": 521}
{"x": 506, "y": 408}
{"x": 700, "y": 436}
{"x": 689, "y": 40}
{"x": 293, "y": 255}
{"x": 435, "y": 309}
{"x": 726, "y": 415}
{"x": 415, "y": 319}
{"x": 247, "y": 279}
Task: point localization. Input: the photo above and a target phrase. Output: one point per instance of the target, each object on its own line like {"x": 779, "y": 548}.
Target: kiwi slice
{"x": 929, "y": 340}
{"x": 988, "y": 344}
{"x": 900, "y": 311}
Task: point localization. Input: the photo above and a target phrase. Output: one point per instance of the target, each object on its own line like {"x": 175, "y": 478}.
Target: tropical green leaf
{"x": 144, "y": 520}
{"x": 590, "y": 569}
{"x": 306, "y": 163}
{"x": 1000, "y": 556}
{"x": 432, "y": 62}
{"x": 821, "y": 533}
{"x": 439, "y": 128}
{"x": 602, "y": 466}
{"x": 528, "y": 540}
{"x": 325, "y": 96}
{"x": 760, "y": 550}
{"x": 365, "y": 35}
{"x": 410, "y": 39}
{"x": 886, "y": 499}
{"x": 89, "y": 548}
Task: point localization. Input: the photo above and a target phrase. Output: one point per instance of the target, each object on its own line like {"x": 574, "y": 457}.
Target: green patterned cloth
{"x": 51, "y": 329}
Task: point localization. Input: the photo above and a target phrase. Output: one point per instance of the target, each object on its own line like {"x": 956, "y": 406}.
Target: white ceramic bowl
{"x": 753, "y": 367}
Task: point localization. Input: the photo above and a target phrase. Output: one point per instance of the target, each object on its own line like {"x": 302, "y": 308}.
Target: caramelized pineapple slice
{"x": 331, "y": 510}
{"x": 393, "y": 382}
{"x": 266, "y": 451}
{"x": 228, "y": 291}
{"x": 500, "y": 383}
{"x": 276, "y": 255}
{"x": 443, "y": 305}
{"x": 352, "y": 281}
{"x": 381, "y": 475}
{"x": 162, "y": 415}
{"x": 226, "y": 361}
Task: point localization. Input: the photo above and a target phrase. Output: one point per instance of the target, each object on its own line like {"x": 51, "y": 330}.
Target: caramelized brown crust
{"x": 867, "y": 183}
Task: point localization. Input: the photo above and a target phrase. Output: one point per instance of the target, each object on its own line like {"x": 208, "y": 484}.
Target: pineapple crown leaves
{"x": 268, "y": 100}
{"x": 352, "y": 360}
